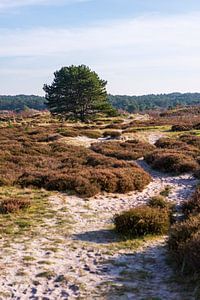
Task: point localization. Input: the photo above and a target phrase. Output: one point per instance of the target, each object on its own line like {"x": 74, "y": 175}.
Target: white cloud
{"x": 147, "y": 54}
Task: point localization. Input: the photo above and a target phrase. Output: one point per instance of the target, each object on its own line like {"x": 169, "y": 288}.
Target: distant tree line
{"x": 126, "y": 103}
{"x": 22, "y": 102}
{"x": 149, "y": 102}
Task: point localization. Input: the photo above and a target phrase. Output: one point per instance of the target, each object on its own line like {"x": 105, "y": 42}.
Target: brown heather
{"x": 39, "y": 158}
{"x": 129, "y": 150}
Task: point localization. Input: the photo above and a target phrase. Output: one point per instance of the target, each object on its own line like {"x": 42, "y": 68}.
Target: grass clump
{"x": 142, "y": 220}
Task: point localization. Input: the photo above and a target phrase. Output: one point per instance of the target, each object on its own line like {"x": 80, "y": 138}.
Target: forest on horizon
{"x": 131, "y": 104}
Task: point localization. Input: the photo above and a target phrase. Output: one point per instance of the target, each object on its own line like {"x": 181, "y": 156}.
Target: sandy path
{"x": 76, "y": 255}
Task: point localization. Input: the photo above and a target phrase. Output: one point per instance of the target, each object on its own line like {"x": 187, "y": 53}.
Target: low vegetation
{"x": 184, "y": 243}
{"x": 184, "y": 237}
{"x": 129, "y": 150}
{"x": 158, "y": 201}
{"x": 39, "y": 158}
{"x": 11, "y": 205}
{"x": 175, "y": 155}
{"x": 142, "y": 220}
{"x": 171, "y": 161}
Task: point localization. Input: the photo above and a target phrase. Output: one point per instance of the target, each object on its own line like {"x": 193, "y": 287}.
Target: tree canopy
{"x": 20, "y": 102}
{"x": 147, "y": 102}
{"x": 77, "y": 92}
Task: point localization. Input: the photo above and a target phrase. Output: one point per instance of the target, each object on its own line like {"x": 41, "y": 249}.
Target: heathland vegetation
{"x": 101, "y": 157}
{"x": 100, "y": 187}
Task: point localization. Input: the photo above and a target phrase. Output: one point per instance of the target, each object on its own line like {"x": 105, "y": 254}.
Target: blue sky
{"x": 138, "y": 46}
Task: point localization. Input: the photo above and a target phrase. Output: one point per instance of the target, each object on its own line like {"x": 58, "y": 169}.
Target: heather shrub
{"x": 69, "y": 132}
{"x": 192, "y": 206}
{"x": 181, "y": 128}
{"x": 184, "y": 244}
{"x": 191, "y": 140}
{"x": 158, "y": 201}
{"x": 13, "y": 205}
{"x": 93, "y": 134}
{"x": 49, "y": 138}
{"x": 171, "y": 161}
{"x": 181, "y": 146}
{"x": 56, "y": 165}
{"x": 142, "y": 220}
{"x": 112, "y": 134}
{"x": 129, "y": 150}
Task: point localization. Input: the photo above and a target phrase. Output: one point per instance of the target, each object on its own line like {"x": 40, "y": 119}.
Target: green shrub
{"x": 142, "y": 220}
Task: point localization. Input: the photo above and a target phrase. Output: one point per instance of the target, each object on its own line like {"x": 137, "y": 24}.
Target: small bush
{"x": 192, "y": 206}
{"x": 179, "y": 145}
{"x": 158, "y": 201}
{"x": 181, "y": 127}
{"x": 184, "y": 244}
{"x": 50, "y": 138}
{"x": 142, "y": 220}
{"x": 112, "y": 134}
{"x": 171, "y": 161}
{"x": 93, "y": 134}
{"x": 68, "y": 132}
{"x": 13, "y": 205}
{"x": 166, "y": 191}
{"x": 191, "y": 140}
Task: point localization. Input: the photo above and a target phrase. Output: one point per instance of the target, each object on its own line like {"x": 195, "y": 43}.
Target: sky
{"x": 138, "y": 46}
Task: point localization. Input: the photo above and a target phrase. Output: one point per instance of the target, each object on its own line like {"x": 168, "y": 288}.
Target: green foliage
{"x": 142, "y": 220}
{"x": 148, "y": 102}
{"x": 77, "y": 92}
{"x": 20, "y": 102}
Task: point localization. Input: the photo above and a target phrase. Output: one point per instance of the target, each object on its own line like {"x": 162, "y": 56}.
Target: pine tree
{"x": 76, "y": 92}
